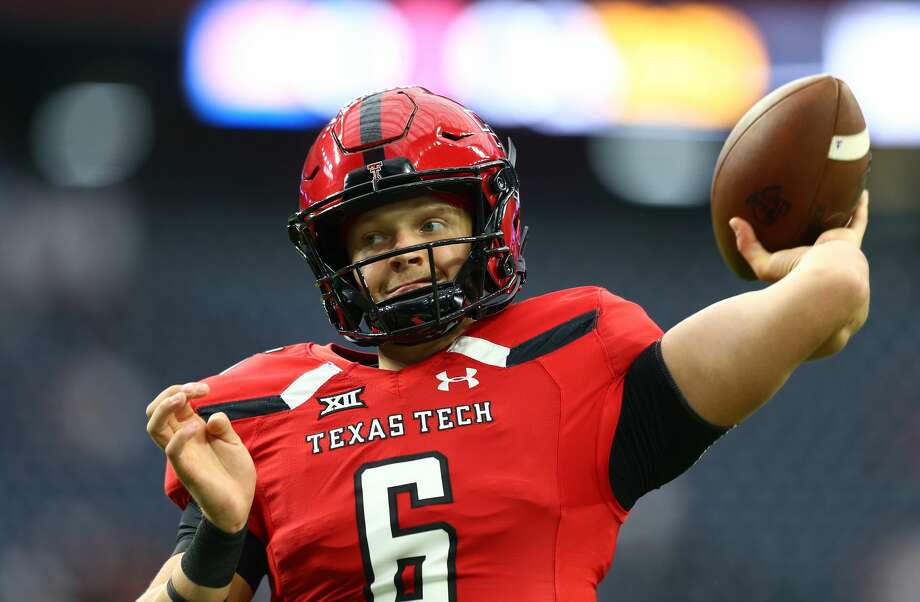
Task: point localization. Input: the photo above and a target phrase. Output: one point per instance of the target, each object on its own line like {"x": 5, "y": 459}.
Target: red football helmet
{"x": 394, "y": 145}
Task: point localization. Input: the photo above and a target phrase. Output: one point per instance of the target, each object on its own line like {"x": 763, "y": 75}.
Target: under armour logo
{"x": 469, "y": 379}
{"x": 375, "y": 168}
{"x": 342, "y": 401}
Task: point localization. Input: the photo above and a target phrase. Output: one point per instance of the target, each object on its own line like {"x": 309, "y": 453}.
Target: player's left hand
{"x": 770, "y": 267}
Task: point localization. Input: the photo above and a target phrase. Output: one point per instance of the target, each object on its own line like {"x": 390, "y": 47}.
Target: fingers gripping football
{"x": 770, "y": 267}
{"x": 855, "y": 230}
{"x": 208, "y": 457}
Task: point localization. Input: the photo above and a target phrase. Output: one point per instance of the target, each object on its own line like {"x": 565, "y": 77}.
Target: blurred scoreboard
{"x": 556, "y": 67}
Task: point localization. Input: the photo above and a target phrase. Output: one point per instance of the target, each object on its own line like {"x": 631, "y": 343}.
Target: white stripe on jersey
{"x": 481, "y": 350}
{"x": 307, "y": 384}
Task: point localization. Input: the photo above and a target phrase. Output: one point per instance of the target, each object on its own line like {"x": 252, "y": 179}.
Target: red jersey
{"x": 478, "y": 474}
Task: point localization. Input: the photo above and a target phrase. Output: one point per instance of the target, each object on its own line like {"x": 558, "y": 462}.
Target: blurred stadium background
{"x": 150, "y": 154}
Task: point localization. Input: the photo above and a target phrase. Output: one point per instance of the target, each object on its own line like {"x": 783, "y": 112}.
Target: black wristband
{"x": 213, "y": 555}
{"x": 172, "y": 593}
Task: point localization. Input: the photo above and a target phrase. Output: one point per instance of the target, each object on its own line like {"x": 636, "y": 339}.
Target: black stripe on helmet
{"x": 371, "y": 130}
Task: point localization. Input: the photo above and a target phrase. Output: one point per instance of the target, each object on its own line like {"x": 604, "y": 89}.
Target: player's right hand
{"x": 770, "y": 267}
{"x": 209, "y": 458}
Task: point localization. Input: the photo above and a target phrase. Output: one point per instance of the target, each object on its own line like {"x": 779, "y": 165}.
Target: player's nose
{"x": 413, "y": 258}
{"x": 409, "y": 258}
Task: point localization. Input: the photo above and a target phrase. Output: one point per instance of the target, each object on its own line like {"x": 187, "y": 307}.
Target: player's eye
{"x": 431, "y": 226}
{"x": 373, "y": 239}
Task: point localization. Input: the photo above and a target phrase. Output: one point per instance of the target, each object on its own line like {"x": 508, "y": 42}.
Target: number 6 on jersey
{"x": 417, "y": 563}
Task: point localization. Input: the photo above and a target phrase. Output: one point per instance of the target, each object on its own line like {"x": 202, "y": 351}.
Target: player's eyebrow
{"x": 439, "y": 207}
{"x": 430, "y": 206}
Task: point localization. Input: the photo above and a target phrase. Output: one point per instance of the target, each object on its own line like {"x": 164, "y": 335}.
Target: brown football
{"x": 793, "y": 166}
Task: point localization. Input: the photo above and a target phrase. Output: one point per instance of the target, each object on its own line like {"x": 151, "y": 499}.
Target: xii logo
{"x": 341, "y": 401}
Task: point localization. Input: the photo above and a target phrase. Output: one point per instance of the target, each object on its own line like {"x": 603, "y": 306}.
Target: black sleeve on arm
{"x": 253, "y": 564}
{"x": 658, "y": 436}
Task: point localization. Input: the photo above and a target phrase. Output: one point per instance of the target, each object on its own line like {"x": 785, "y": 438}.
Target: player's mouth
{"x": 408, "y": 286}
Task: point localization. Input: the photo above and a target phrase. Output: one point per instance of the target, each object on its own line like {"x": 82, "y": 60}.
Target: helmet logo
{"x": 375, "y": 168}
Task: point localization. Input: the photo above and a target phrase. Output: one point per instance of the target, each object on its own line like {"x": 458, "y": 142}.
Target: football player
{"x": 487, "y": 450}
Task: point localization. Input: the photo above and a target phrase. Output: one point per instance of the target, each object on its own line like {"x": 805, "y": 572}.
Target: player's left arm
{"x": 731, "y": 357}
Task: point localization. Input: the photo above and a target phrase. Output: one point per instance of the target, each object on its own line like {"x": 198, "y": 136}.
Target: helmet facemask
{"x": 484, "y": 284}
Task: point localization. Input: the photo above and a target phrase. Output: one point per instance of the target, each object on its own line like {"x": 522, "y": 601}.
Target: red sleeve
{"x": 247, "y": 379}
{"x": 231, "y": 384}
{"x": 624, "y": 330}
{"x": 261, "y": 377}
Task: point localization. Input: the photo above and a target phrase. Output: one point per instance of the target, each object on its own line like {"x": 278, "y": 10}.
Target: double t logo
{"x": 375, "y": 168}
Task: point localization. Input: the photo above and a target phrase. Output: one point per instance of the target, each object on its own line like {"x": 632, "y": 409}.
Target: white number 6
{"x": 425, "y": 555}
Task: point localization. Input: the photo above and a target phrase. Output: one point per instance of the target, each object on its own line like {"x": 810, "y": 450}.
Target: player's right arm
{"x": 217, "y": 471}
{"x": 731, "y": 357}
